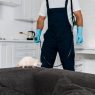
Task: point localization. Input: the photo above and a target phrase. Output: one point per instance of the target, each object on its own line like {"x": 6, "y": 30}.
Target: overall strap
{"x": 72, "y": 8}
{"x": 66, "y": 3}
{"x": 47, "y": 3}
{"x": 73, "y": 18}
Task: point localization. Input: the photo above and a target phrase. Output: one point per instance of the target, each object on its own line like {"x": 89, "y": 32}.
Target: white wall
{"x": 88, "y": 11}
{"x": 9, "y": 27}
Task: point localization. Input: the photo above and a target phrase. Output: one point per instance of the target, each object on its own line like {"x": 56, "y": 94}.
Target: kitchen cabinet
{"x": 10, "y": 2}
{"x": 25, "y": 49}
{"x": 28, "y": 10}
{"x": 85, "y": 61}
{"x": 86, "y": 66}
{"x": 11, "y": 52}
{"x": 8, "y": 55}
{"x": 5, "y": 55}
{"x": 2, "y": 54}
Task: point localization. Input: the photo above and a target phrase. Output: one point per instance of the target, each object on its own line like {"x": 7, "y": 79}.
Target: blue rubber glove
{"x": 79, "y": 35}
{"x": 37, "y": 35}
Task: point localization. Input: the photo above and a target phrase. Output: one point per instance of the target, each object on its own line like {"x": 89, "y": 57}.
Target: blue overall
{"x": 58, "y": 38}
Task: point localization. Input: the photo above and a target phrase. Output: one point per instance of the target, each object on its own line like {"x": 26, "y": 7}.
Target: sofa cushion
{"x": 45, "y": 81}
{"x": 81, "y": 79}
{"x": 8, "y": 91}
{"x": 64, "y": 86}
{"x": 20, "y": 80}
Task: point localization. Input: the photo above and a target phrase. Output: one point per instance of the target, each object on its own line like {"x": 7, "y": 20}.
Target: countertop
{"x": 18, "y": 41}
{"x": 78, "y": 51}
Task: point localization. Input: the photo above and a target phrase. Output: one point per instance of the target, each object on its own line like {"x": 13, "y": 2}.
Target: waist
{"x": 59, "y": 24}
{"x": 61, "y": 20}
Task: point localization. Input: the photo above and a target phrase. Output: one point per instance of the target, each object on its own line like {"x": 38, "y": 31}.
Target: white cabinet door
{"x": 5, "y": 55}
{"x": 17, "y": 2}
{"x": 9, "y": 54}
{"x": 28, "y": 10}
{"x": 5, "y": 1}
{"x": 25, "y": 49}
{"x": 10, "y": 2}
{"x": 35, "y": 8}
{"x": 24, "y": 12}
{"x": 2, "y": 54}
{"x": 89, "y": 66}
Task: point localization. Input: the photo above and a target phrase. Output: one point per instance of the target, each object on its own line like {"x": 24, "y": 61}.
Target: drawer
{"x": 25, "y": 46}
{"x": 23, "y": 54}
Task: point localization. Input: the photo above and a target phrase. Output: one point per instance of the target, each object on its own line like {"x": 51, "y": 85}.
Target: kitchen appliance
{"x": 30, "y": 35}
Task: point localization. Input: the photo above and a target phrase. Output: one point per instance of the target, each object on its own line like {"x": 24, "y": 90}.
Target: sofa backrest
{"x": 41, "y": 81}
{"x": 20, "y": 80}
{"x": 46, "y": 80}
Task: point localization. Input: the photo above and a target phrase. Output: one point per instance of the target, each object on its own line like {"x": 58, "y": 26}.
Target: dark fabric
{"x": 42, "y": 81}
{"x": 8, "y": 91}
{"x": 58, "y": 38}
{"x": 66, "y": 87}
{"x": 20, "y": 80}
{"x": 45, "y": 81}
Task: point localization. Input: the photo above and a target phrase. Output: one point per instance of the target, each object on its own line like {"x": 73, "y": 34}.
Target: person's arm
{"x": 79, "y": 22}
{"x": 40, "y": 26}
{"x": 79, "y": 18}
{"x": 40, "y": 22}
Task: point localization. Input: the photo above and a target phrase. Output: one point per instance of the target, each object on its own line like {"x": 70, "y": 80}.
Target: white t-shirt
{"x": 59, "y": 4}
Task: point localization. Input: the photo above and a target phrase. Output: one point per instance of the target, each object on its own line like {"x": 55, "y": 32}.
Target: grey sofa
{"x": 43, "y": 81}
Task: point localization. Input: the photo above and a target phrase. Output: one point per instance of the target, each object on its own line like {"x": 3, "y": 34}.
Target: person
{"x": 59, "y": 35}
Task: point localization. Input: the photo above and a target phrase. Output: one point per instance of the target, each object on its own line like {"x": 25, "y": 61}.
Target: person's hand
{"x": 79, "y": 38}
{"x": 37, "y": 35}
